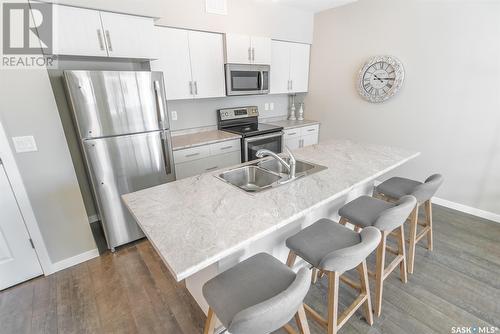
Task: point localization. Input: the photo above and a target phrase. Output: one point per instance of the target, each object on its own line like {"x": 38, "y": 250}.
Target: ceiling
{"x": 314, "y": 5}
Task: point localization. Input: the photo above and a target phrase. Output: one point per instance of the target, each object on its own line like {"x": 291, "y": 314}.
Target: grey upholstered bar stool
{"x": 334, "y": 249}
{"x": 396, "y": 187}
{"x": 367, "y": 211}
{"x": 257, "y": 296}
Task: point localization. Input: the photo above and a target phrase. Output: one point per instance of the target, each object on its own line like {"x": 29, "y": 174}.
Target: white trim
{"x": 462, "y": 208}
{"x": 23, "y": 201}
{"x": 74, "y": 260}
{"x": 467, "y": 209}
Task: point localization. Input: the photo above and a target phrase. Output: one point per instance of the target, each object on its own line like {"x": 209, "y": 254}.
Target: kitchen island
{"x": 201, "y": 226}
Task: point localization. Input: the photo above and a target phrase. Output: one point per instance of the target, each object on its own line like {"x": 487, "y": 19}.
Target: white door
{"x": 174, "y": 62}
{"x": 238, "y": 49}
{"x": 280, "y": 67}
{"x": 261, "y": 50}
{"x": 292, "y": 143}
{"x": 18, "y": 260}
{"x": 129, "y": 36}
{"x": 299, "y": 67}
{"x": 78, "y": 31}
{"x": 207, "y": 64}
{"x": 309, "y": 140}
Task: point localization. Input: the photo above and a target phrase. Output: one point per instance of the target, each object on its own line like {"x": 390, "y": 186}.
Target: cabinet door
{"x": 238, "y": 49}
{"x": 299, "y": 67}
{"x": 280, "y": 67}
{"x": 207, "y": 64}
{"x": 292, "y": 143}
{"x": 207, "y": 164}
{"x": 78, "y": 32}
{"x": 309, "y": 140}
{"x": 261, "y": 50}
{"x": 129, "y": 36}
{"x": 174, "y": 62}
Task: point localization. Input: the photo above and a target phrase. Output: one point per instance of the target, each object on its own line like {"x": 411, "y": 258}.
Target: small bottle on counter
{"x": 301, "y": 112}
{"x": 292, "y": 116}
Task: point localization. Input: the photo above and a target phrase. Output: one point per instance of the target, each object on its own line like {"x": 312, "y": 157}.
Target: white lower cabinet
{"x": 301, "y": 137}
{"x": 206, "y": 158}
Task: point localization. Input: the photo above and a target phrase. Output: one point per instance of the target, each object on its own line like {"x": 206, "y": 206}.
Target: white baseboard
{"x": 467, "y": 209}
{"x": 72, "y": 261}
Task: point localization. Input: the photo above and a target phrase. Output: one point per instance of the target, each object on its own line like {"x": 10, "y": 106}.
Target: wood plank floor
{"x": 131, "y": 291}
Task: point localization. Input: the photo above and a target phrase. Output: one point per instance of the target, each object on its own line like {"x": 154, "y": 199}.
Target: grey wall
{"x": 27, "y": 107}
{"x": 201, "y": 113}
{"x": 56, "y": 80}
{"x": 449, "y": 106}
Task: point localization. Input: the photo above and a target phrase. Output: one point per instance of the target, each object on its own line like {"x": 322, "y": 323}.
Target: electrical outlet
{"x": 24, "y": 144}
{"x": 271, "y": 106}
{"x": 173, "y": 113}
{"x": 266, "y": 106}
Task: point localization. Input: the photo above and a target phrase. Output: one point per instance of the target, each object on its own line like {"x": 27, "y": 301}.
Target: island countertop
{"x": 195, "y": 222}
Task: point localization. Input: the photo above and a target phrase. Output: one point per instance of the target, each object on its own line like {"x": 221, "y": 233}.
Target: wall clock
{"x": 380, "y": 78}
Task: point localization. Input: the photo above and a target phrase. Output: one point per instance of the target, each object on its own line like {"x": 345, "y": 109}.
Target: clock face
{"x": 380, "y": 78}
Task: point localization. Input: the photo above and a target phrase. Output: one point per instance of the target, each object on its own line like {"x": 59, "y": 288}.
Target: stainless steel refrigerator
{"x": 124, "y": 132}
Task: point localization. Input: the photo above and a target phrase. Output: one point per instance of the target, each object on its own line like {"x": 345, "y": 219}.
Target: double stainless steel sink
{"x": 266, "y": 174}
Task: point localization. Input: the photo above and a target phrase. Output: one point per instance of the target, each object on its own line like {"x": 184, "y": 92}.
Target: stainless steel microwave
{"x": 247, "y": 79}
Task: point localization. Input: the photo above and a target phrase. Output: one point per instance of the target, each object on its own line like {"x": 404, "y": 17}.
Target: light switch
{"x": 174, "y": 115}
{"x": 24, "y": 144}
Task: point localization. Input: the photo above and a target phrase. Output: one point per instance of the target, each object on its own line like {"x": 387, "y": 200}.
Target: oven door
{"x": 272, "y": 142}
{"x": 247, "y": 79}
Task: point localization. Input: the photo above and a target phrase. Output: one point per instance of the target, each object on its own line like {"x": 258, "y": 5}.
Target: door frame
{"x": 21, "y": 196}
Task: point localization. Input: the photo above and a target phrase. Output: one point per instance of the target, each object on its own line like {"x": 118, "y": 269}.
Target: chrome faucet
{"x": 289, "y": 166}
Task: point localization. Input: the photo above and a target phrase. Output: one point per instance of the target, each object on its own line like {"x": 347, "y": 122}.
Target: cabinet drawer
{"x": 206, "y": 165}
{"x": 291, "y": 133}
{"x": 190, "y": 154}
{"x": 309, "y": 130}
{"x": 225, "y": 147}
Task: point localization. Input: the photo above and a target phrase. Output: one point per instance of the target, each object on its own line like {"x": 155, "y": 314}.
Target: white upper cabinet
{"x": 192, "y": 63}
{"x": 128, "y": 36}
{"x": 299, "y": 67}
{"x": 174, "y": 62}
{"x": 207, "y": 64}
{"x": 85, "y": 32}
{"x": 280, "y": 67}
{"x": 289, "y": 67}
{"x": 243, "y": 49}
{"x": 78, "y": 32}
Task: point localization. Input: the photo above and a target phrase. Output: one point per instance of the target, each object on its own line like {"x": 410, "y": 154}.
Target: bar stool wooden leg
{"x": 365, "y": 290}
{"x": 301, "y": 320}
{"x": 342, "y": 221}
{"x": 290, "y": 261}
{"x": 413, "y": 239}
{"x": 402, "y": 252}
{"x": 314, "y": 275}
{"x": 333, "y": 302}
{"x": 210, "y": 323}
{"x": 428, "y": 214}
{"x": 379, "y": 273}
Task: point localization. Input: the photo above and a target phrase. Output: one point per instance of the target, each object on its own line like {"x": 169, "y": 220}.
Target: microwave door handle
{"x": 261, "y": 81}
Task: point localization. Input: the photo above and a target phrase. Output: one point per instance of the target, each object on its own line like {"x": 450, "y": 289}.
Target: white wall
{"x": 258, "y": 17}
{"x": 449, "y": 107}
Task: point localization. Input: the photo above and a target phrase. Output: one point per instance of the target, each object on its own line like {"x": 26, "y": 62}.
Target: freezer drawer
{"x": 124, "y": 164}
{"x": 109, "y": 103}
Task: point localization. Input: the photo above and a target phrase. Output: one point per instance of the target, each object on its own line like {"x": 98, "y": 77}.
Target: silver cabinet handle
{"x": 108, "y": 39}
{"x": 250, "y": 54}
{"x": 291, "y": 84}
{"x": 191, "y": 155}
{"x": 211, "y": 168}
{"x": 196, "y": 88}
{"x": 292, "y": 133}
{"x": 288, "y": 87}
{"x": 226, "y": 147}
{"x": 99, "y": 38}
{"x": 190, "y": 88}
{"x": 311, "y": 130}
{"x": 253, "y": 54}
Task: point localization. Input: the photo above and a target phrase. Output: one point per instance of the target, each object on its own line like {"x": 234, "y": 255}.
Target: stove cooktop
{"x": 255, "y": 129}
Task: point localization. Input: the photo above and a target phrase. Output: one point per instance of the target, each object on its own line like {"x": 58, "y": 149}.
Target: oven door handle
{"x": 256, "y": 138}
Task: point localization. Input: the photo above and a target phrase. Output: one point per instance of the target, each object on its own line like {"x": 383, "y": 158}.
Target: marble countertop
{"x": 287, "y": 124}
{"x": 201, "y": 138}
{"x": 197, "y": 221}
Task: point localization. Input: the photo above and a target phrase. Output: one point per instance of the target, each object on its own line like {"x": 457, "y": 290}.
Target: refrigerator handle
{"x": 159, "y": 104}
{"x": 166, "y": 156}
